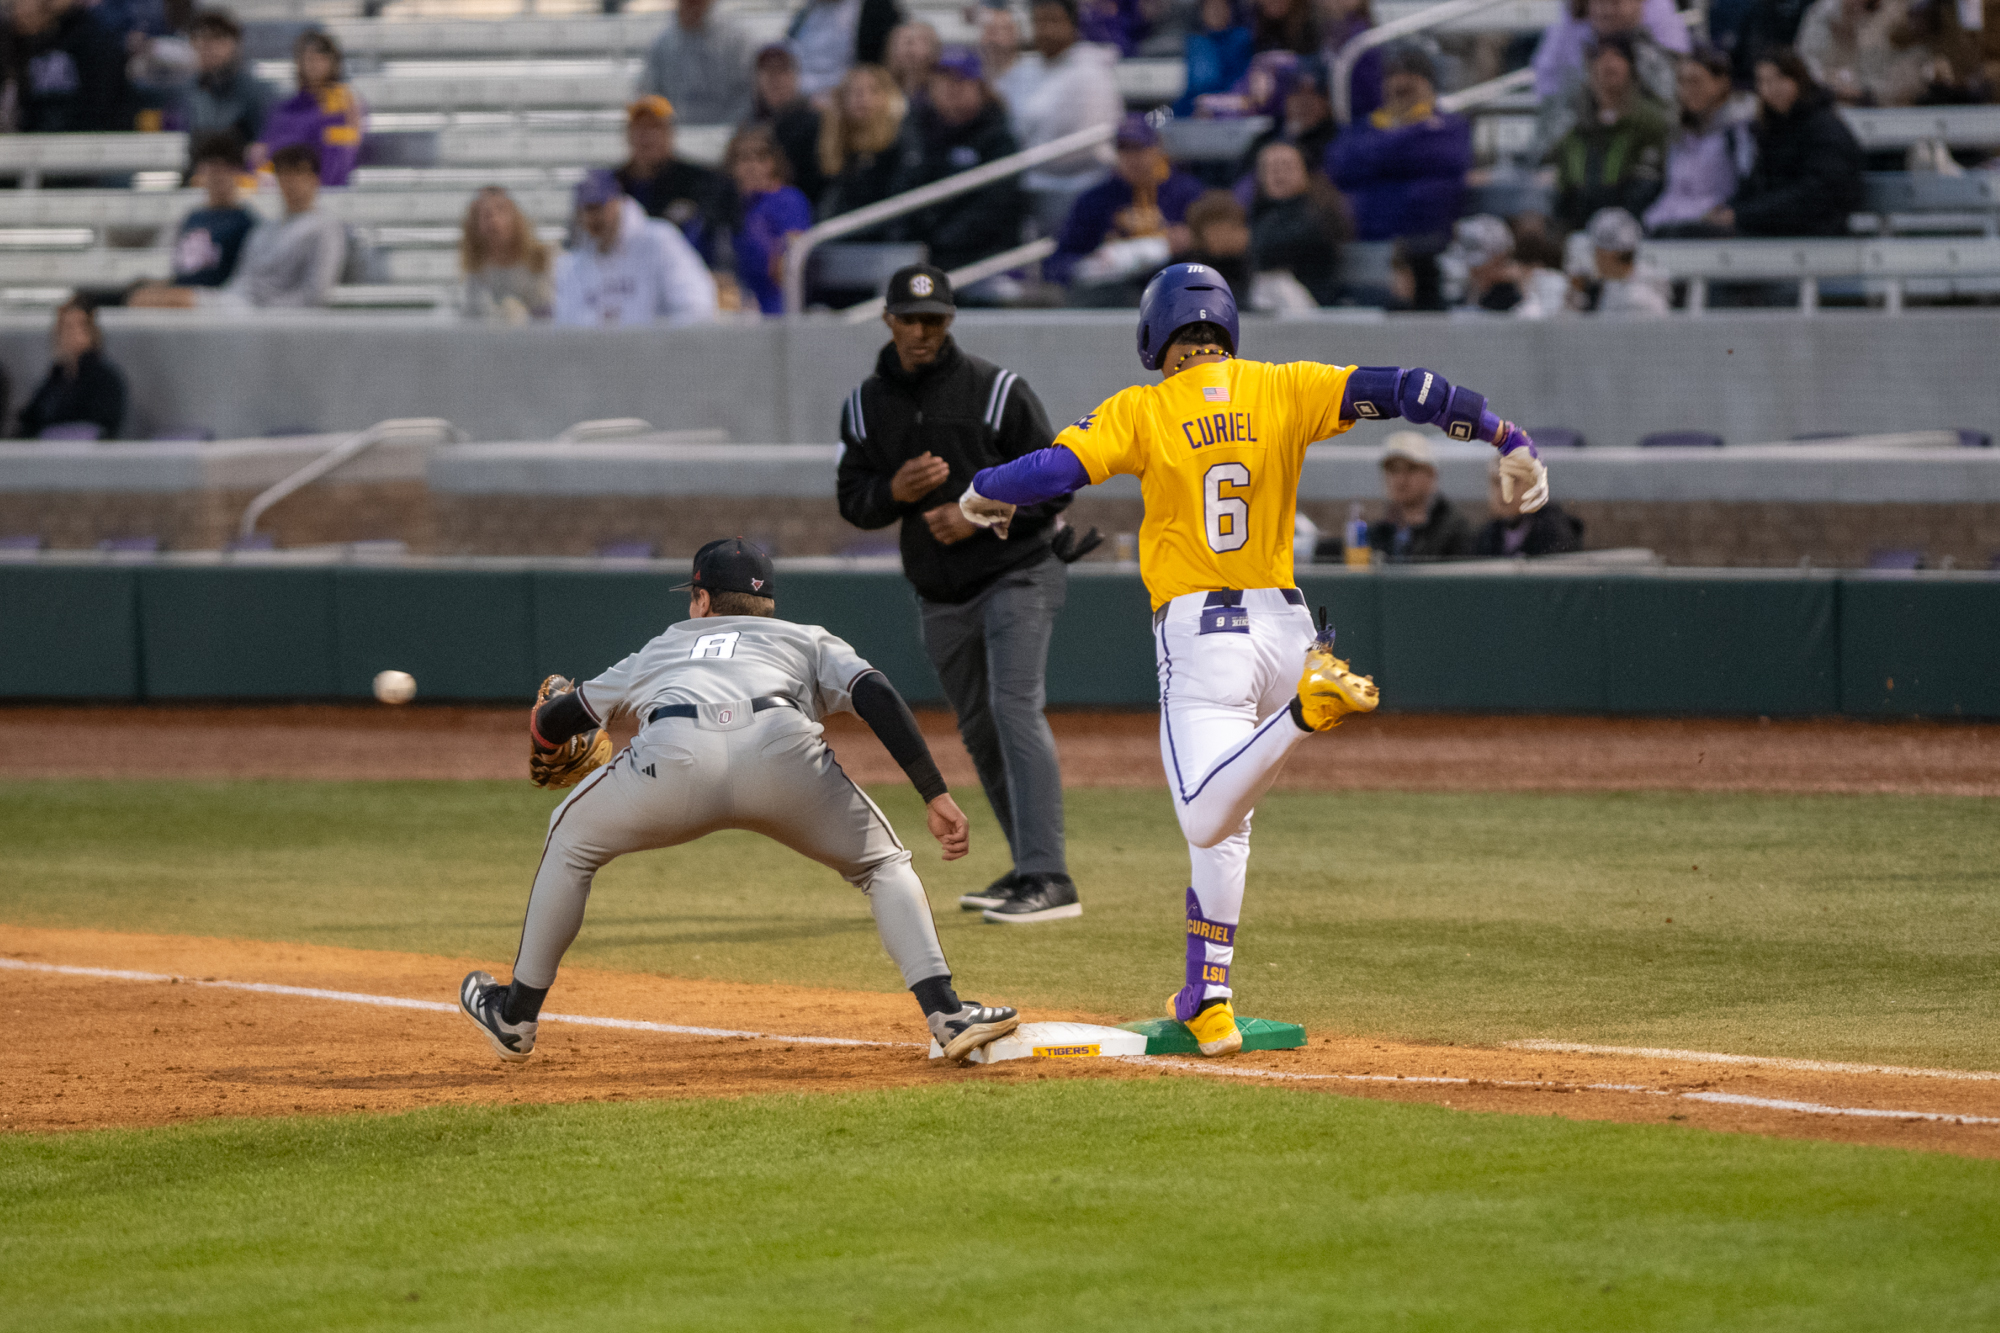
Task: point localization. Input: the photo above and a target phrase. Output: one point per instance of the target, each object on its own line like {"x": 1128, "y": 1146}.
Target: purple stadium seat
{"x": 72, "y": 430}
{"x": 1974, "y": 439}
{"x": 256, "y": 541}
{"x": 1557, "y": 437}
{"x": 21, "y": 541}
{"x": 627, "y": 550}
{"x": 1680, "y": 439}
{"x": 1888, "y": 559}
{"x": 184, "y": 435}
{"x": 130, "y": 545}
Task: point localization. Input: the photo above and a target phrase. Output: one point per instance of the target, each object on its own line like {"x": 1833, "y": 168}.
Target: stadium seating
{"x": 1892, "y": 266}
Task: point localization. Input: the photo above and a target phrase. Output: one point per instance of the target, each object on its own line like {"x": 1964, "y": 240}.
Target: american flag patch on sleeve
{"x": 1215, "y": 393}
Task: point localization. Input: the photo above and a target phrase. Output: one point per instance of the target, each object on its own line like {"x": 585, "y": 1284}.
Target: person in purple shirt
{"x": 1559, "y": 55}
{"x": 1711, "y": 153}
{"x": 770, "y": 212}
{"x": 1145, "y": 199}
{"x": 324, "y": 112}
{"x": 1341, "y": 21}
{"x": 1217, "y": 51}
{"x": 1403, "y": 167}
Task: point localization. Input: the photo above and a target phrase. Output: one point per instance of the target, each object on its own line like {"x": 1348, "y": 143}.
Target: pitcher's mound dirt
{"x": 91, "y": 1051}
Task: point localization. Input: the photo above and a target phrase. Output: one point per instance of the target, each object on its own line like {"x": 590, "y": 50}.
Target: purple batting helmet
{"x": 1180, "y": 295}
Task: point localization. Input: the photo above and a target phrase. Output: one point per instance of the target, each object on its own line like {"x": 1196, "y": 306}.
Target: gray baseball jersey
{"x": 729, "y": 766}
{"x": 723, "y": 660}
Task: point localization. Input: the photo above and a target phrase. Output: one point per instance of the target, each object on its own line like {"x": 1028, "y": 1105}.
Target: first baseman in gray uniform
{"x": 730, "y": 702}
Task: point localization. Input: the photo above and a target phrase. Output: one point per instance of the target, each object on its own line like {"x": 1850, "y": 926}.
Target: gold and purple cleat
{"x": 1330, "y": 690}
{"x": 1213, "y": 1029}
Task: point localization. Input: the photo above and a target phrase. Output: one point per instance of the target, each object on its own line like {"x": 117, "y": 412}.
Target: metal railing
{"x": 961, "y": 278}
{"x": 999, "y": 169}
{"x": 349, "y": 449}
{"x": 1436, "y": 16}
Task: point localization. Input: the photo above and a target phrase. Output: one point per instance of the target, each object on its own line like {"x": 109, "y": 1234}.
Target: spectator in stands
{"x": 160, "y": 63}
{"x": 687, "y": 194}
{"x": 1615, "y": 155}
{"x": 1484, "y": 265}
{"x": 1298, "y": 222}
{"x": 1077, "y": 90}
{"x": 701, "y": 63}
{"x": 1807, "y": 177}
{"x": 1218, "y": 232}
{"x": 210, "y": 240}
{"x": 913, "y": 53}
{"x": 324, "y": 112}
{"x": 1012, "y": 73}
{"x": 1955, "y": 71}
{"x": 770, "y": 212}
{"x": 1403, "y": 167}
{"x": 1118, "y": 24}
{"x": 831, "y": 36}
{"x": 1710, "y": 154}
{"x": 1852, "y": 49}
{"x": 861, "y": 143}
{"x": 225, "y": 96}
{"x": 1284, "y": 25}
{"x": 790, "y": 116}
{"x": 82, "y": 387}
{"x": 1422, "y": 525}
{"x": 67, "y": 68}
{"x": 504, "y": 268}
{"x": 958, "y": 126}
{"x": 1217, "y": 52}
{"x": 1305, "y": 115}
{"x": 1340, "y": 22}
{"x": 292, "y": 262}
{"x": 1611, "y": 278}
{"x": 1565, "y": 45}
{"x": 1125, "y": 228}
{"x": 626, "y": 268}
{"x": 1548, "y": 531}
{"x": 1652, "y": 75}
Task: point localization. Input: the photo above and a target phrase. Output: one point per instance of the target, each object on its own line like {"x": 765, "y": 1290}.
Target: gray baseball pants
{"x": 992, "y": 656}
{"x": 682, "y": 778}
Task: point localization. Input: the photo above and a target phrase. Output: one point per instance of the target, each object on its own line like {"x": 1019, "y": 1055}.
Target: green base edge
{"x": 1168, "y": 1036}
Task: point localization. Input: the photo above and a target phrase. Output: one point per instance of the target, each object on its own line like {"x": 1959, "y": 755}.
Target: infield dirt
{"x": 1400, "y": 752}
{"x": 90, "y": 1052}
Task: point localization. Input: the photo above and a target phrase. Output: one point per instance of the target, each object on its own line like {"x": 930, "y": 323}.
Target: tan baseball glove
{"x": 570, "y": 762}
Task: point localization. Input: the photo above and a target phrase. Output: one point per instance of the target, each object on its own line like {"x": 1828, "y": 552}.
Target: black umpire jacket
{"x": 973, "y": 415}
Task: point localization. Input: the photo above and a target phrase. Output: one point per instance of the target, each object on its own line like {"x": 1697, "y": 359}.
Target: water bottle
{"x": 1354, "y": 538}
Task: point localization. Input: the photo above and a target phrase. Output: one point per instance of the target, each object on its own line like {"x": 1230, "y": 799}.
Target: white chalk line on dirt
{"x": 1774, "y": 1061}
{"x": 1212, "y": 1070}
{"x": 433, "y": 1006}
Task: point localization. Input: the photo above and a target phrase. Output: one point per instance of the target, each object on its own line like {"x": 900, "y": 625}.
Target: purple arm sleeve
{"x": 1033, "y": 478}
{"x": 1377, "y": 393}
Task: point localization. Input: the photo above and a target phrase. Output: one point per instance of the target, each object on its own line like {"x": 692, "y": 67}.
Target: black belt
{"x": 1233, "y": 597}
{"x": 768, "y": 701}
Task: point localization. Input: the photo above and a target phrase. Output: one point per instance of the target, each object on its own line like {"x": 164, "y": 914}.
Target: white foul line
{"x": 1213, "y": 1070}
{"x": 1776, "y": 1062}
{"x": 435, "y": 1006}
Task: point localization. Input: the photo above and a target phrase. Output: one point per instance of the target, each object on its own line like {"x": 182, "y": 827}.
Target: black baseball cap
{"x": 920, "y": 289}
{"x": 730, "y": 564}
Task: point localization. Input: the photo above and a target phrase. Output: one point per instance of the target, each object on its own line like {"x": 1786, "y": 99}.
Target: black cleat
{"x": 480, "y": 998}
{"x": 1040, "y": 898}
{"x": 993, "y": 895}
{"x": 974, "y": 1025}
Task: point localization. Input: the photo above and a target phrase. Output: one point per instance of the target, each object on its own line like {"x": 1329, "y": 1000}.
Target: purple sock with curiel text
{"x": 1211, "y": 947}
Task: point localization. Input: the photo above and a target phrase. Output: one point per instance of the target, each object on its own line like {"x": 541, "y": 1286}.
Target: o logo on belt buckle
{"x": 724, "y": 716}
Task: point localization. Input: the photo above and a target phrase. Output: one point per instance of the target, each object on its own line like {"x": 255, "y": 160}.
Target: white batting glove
{"x": 984, "y": 513}
{"x": 1521, "y": 470}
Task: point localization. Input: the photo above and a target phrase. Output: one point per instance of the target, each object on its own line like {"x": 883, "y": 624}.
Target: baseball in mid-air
{"x": 395, "y": 687}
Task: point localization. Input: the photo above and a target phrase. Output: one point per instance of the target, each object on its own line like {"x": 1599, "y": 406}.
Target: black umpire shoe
{"x": 1000, "y": 891}
{"x": 1040, "y": 898}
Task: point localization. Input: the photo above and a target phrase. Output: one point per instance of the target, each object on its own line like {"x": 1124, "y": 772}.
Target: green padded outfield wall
{"x": 1776, "y": 643}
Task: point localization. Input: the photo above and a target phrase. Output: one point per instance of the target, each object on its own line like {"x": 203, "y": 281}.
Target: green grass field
{"x": 1842, "y": 927}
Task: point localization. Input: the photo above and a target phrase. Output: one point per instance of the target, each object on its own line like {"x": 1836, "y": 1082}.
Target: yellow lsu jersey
{"x": 1217, "y": 450}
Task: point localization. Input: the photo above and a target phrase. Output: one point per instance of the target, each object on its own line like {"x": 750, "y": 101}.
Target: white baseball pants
{"x": 1229, "y": 665}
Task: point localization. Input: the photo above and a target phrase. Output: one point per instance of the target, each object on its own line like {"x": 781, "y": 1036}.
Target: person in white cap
{"x": 1623, "y": 285}
{"x": 1422, "y": 525}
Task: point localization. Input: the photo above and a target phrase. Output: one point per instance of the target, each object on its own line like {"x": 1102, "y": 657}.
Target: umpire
{"x": 916, "y": 431}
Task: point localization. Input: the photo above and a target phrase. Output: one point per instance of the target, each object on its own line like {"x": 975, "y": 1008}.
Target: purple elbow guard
{"x": 1033, "y": 478}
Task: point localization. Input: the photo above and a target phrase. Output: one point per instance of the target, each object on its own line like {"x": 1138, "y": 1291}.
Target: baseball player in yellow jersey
{"x": 1217, "y": 446}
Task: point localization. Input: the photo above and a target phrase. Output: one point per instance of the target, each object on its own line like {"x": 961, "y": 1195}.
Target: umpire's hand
{"x": 948, "y": 826}
{"x": 918, "y": 477}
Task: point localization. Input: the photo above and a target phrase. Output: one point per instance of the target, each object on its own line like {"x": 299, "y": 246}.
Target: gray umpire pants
{"x": 992, "y": 656}
{"x": 729, "y": 768}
